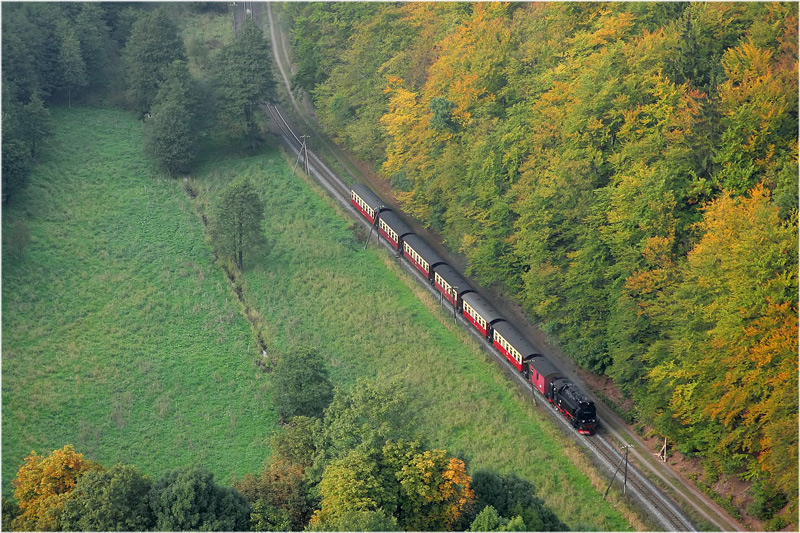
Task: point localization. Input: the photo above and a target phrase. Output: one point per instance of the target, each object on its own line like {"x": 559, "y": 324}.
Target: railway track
{"x": 299, "y": 148}
{"x": 649, "y": 497}
{"x": 658, "y": 505}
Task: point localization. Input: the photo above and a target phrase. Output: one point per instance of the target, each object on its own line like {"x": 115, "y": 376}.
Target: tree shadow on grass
{"x": 511, "y": 496}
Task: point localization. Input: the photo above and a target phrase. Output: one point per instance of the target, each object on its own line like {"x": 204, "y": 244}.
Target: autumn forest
{"x": 627, "y": 171}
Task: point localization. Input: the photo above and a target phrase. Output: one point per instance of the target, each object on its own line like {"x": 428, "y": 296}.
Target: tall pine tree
{"x": 153, "y": 45}
{"x": 243, "y": 79}
{"x": 171, "y": 132}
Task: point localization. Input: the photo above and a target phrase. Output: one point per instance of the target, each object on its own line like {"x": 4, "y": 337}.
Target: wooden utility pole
{"x": 374, "y": 223}
{"x": 663, "y": 453}
{"x": 302, "y": 153}
{"x": 625, "y": 482}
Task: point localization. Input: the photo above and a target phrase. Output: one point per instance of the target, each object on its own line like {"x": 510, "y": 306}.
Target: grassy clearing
{"x": 316, "y": 285}
{"x": 119, "y": 335}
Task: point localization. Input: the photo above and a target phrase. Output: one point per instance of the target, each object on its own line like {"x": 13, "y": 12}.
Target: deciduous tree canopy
{"x": 189, "y": 499}
{"x": 109, "y": 500}
{"x": 581, "y": 157}
{"x": 43, "y": 485}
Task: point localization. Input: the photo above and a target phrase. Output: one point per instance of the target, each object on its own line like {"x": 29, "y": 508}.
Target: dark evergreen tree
{"x": 237, "y": 224}
{"x": 153, "y": 45}
{"x": 302, "y": 385}
{"x": 189, "y": 499}
{"x": 93, "y": 33}
{"x": 17, "y": 160}
{"x": 109, "y": 500}
{"x": 243, "y": 79}
{"x": 73, "y": 67}
{"x": 171, "y": 131}
{"x": 20, "y": 73}
{"x": 37, "y": 123}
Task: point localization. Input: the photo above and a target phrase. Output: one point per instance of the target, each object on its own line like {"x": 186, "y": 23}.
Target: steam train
{"x": 537, "y": 369}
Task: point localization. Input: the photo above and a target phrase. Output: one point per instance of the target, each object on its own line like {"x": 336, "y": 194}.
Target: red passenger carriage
{"x": 512, "y": 344}
{"x": 366, "y": 201}
{"x": 480, "y": 313}
{"x": 450, "y": 284}
{"x": 421, "y": 255}
{"x": 393, "y": 228}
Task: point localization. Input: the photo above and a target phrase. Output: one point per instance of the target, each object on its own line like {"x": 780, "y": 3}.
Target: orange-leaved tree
{"x": 733, "y": 367}
{"x": 435, "y": 491}
{"x": 43, "y": 484}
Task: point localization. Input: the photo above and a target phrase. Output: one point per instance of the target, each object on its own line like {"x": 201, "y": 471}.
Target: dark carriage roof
{"x": 394, "y": 222}
{"x": 515, "y": 339}
{"x": 483, "y": 308}
{"x": 369, "y": 197}
{"x": 543, "y": 366}
{"x": 422, "y": 248}
{"x": 452, "y": 277}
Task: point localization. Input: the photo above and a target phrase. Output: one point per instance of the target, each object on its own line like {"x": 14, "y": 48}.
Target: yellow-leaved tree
{"x": 43, "y": 484}
{"x": 435, "y": 491}
{"x": 733, "y": 362}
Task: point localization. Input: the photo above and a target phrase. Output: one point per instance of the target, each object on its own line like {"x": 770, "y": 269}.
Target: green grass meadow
{"x": 121, "y": 336}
